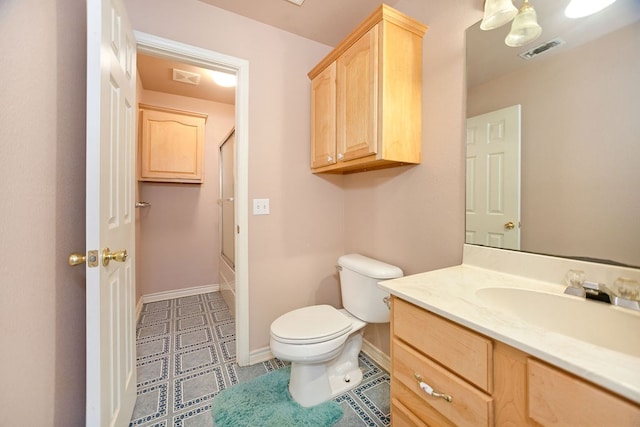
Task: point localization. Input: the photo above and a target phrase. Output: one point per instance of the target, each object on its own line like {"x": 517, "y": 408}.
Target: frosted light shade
{"x": 525, "y": 28}
{"x": 580, "y": 8}
{"x": 497, "y": 13}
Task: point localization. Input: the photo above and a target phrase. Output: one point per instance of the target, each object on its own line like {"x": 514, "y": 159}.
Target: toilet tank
{"x": 361, "y": 296}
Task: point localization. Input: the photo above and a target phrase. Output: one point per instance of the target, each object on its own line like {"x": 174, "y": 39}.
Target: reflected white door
{"x": 110, "y": 220}
{"x": 493, "y": 179}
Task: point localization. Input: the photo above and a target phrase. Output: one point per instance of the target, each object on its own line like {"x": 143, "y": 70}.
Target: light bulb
{"x": 581, "y": 8}
{"x": 223, "y": 79}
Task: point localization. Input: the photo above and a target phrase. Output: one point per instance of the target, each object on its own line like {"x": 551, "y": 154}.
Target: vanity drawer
{"x": 557, "y": 398}
{"x": 469, "y": 407}
{"x": 401, "y": 416}
{"x": 466, "y": 353}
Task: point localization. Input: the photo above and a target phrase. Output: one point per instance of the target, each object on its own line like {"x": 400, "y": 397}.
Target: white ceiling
{"x": 157, "y": 75}
{"x": 330, "y": 21}
{"x": 488, "y": 56}
{"x": 324, "y": 21}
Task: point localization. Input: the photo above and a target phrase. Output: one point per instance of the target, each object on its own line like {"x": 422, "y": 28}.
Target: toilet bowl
{"x": 322, "y": 342}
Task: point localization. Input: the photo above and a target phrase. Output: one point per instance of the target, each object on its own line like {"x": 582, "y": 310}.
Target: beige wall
{"x": 42, "y": 114}
{"x": 293, "y": 250}
{"x": 579, "y": 169}
{"x": 179, "y": 245}
{"x": 411, "y": 217}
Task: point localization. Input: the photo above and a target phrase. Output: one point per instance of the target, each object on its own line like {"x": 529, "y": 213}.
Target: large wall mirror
{"x": 577, "y": 180}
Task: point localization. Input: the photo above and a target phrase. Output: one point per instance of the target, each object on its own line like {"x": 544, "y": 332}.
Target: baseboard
{"x": 179, "y": 293}
{"x": 264, "y": 354}
{"x": 260, "y": 355}
{"x": 376, "y": 355}
{"x": 138, "y": 309}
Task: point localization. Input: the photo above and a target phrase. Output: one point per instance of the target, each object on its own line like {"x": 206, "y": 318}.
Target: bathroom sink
{"x": 590, "y": 321}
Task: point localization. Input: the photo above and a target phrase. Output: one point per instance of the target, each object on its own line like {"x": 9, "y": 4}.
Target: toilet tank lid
{"x": 369, "y": 267}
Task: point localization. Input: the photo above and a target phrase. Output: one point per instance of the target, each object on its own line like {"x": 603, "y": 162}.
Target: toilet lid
{"x": 308, "y": 325}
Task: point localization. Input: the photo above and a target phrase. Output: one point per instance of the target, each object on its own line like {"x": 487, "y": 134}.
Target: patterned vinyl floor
{"x": 186, "y": 355}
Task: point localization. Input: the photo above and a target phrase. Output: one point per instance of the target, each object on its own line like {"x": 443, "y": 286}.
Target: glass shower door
{"x": 227, "y": 203}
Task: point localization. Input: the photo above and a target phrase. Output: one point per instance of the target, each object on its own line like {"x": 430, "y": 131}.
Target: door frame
{"x": 170, "y": 49}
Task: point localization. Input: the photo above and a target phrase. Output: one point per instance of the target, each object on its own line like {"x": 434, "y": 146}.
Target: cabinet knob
{"x": 329, "y": 159}
{"x": 340, "y": 156}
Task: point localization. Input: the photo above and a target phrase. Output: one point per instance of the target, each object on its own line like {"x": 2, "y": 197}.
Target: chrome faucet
{"x": 600, "y": 292}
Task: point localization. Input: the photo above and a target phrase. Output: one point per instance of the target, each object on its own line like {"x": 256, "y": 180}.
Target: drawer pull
{"x": 429, "y": 390}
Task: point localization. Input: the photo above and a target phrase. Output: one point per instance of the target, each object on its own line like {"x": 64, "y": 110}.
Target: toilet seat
{"x": 309, "y": 325}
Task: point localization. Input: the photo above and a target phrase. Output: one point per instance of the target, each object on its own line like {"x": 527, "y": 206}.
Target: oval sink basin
{"x": 590, "y": 321}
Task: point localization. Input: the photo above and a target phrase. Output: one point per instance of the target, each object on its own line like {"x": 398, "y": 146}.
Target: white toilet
{"x": 322, "y": 343}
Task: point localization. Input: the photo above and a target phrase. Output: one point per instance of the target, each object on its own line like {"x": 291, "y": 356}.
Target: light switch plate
{"x": 261, "y": 206}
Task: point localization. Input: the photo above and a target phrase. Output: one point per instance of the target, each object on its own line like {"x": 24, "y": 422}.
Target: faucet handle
{"x": 627, "y": 288}
{"x": 574, "y": 278}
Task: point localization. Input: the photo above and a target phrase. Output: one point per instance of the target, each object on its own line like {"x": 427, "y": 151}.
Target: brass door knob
{"x": 509, "y": 225}
{"x": 118, "y": 256}
{"x": 77, "y": 259}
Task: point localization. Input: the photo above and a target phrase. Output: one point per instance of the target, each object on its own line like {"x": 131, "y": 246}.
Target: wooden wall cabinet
{"x": 491, "y": 383}
{"x": 366, "y": 97}
{"x": 171, "y": 145}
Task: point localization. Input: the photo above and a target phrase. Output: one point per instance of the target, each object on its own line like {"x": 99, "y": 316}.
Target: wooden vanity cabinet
{"x": 556, "y": 398}
{"x": 366, "y": 97}
{"x": 491, "y": 383}
{"x": 171, "y": 145}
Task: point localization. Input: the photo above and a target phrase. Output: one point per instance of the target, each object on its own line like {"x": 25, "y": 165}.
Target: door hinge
{"x": 238, "y": 229}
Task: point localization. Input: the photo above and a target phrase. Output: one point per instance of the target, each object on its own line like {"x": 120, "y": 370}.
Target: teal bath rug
{"x": 265, "y": 401}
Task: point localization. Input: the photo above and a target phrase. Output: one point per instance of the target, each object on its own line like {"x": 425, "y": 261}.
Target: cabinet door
{"x": 357, "y": 91}
{"x": 323, "y": 118}
{"x": 559, "y": 399}
{"x": 172, "y": 145}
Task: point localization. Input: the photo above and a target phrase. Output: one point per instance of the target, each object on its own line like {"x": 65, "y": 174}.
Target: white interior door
{"x": 493, "y": 179}
{"x": 110, "y": 220}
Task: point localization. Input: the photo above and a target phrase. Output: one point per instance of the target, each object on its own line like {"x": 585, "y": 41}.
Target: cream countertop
{"x": 451, "y": 293}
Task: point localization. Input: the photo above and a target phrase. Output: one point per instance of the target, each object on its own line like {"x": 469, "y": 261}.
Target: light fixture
{"x": 580, "y": 8}
{"x": 497, "y": 13}
{"x": 223, "y": 79}
{"x": 524, "y": 28}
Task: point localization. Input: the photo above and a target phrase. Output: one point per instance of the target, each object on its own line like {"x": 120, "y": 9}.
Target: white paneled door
{"x": 110, "y": 218}
{"x": 493, "y": 179}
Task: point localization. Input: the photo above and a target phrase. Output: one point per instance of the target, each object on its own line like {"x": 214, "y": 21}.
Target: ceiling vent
{"x": 545, "y": 47}
{"x": 186, "y": 77}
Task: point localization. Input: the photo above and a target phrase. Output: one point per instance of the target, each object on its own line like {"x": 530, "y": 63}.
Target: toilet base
{"x": 312, "y": 384}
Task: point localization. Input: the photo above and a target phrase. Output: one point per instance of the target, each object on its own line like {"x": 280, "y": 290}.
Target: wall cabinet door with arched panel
{"x": 171, "y": 145}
